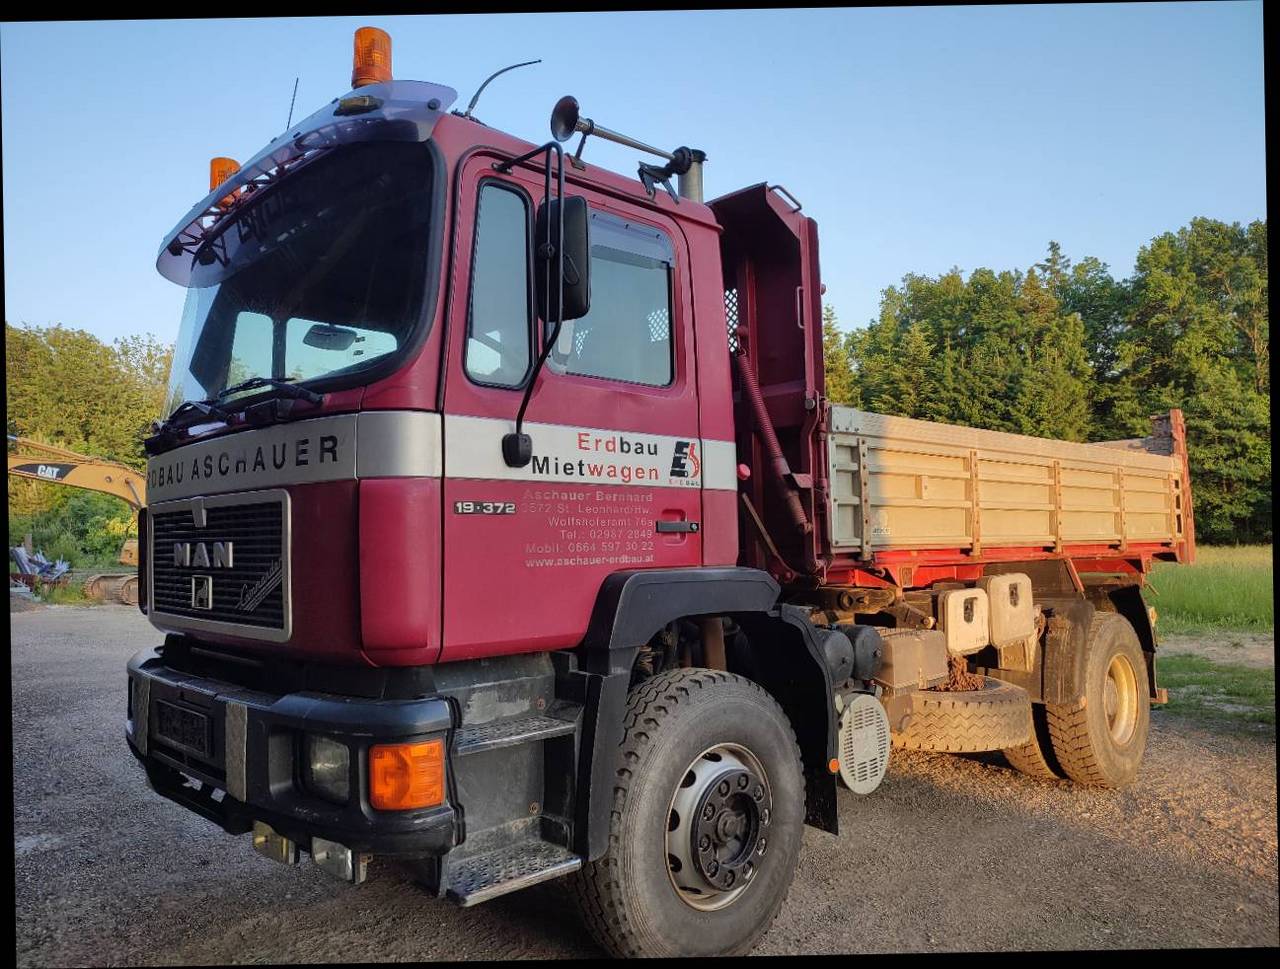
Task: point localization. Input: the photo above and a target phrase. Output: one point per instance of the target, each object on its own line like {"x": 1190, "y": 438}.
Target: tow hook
{"x": 334, "y": 859}
{"x": 267, "y": 841}
{"x": 340, "y": 861}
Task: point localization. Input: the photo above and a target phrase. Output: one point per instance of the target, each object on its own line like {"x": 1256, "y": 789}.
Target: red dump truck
{"x": 500, "y": 526}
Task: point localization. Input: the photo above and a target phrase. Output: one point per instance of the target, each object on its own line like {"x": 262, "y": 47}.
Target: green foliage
{"x": 997, "y": 350}
{"x": 1227, "y": 588}
{"x": 1067, "y": 351}
{"x": 835, "y": 354}
{"x": 71, "y": 594}
{"x": 1196, "y": 336}
{"x": 85, "y": 528}
{"x": 67, "y": 387}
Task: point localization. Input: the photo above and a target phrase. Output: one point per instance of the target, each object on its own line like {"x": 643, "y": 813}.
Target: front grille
{"x": 251, "y": 591}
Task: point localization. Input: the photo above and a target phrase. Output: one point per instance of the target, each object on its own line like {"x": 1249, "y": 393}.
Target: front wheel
{"x": 708, "y": 814}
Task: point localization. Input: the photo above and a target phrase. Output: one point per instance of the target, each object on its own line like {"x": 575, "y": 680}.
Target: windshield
{"x": 322, "y": 277}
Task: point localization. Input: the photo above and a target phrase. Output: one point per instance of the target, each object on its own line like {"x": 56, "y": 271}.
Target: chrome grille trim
{"x": 197, "y": 507}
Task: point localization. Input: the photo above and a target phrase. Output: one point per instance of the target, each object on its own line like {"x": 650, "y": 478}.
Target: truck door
{"x": 616, "y": 477}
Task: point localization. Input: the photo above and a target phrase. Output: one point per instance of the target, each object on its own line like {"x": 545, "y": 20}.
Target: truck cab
{"x": 493, "y": 484}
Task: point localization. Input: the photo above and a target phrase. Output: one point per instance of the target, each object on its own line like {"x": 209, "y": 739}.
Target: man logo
{"x": 202, "y": 592}
{"x": 685, "y": 463}
{"x": 195, "y": 555}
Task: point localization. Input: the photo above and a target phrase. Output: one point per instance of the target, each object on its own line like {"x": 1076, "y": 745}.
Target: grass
{"x": 64, "y": 595}
{"x": 1203, "y": 689}
{"x": 1229, "y": 587}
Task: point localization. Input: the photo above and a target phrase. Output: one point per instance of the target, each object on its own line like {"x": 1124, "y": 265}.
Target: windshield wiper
{"x": 205, "y": 408}
{"x": 163, "y": 432}
{"x": 282, "y": 384}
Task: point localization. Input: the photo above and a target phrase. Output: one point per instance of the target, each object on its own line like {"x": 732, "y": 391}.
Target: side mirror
{"x": 577, "y": 258}
{"x": 326, "y": 336}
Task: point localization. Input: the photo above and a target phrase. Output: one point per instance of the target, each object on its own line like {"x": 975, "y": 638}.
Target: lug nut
{"x": 764, "y": 843}
{"x": 709, "y": 812}
{"x": 704, "y": 843}
{"x": 758, "y": 793}
{"x": 713, "y": 868}
{"x": 723, "y": 788}
{"x": 743, "y": 781}
{"x": 764, "y": 816}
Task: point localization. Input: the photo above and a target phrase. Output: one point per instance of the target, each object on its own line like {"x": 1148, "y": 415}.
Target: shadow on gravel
{"x": 1184, "y": 858}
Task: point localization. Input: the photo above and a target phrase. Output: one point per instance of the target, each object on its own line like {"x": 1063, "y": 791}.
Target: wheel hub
{"x": 718, "y": 824}
{"x": 1120, "y": 700}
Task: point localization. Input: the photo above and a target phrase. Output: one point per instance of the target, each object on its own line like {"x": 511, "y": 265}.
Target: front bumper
{"x": 252, "y": 757}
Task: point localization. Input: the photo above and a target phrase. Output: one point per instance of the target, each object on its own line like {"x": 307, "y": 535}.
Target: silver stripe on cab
{"x": 410, "y": 444}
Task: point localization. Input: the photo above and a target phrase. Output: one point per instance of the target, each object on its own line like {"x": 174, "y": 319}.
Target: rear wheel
{"x": 1101, "y": 738}
{"x": 708, "y": 813}
{"x": 1035, "y": 758}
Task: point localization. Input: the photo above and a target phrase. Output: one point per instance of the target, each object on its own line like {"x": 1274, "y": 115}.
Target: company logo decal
{"x": 51, "y": 472}
{"x": 202, "y": 592}
{"x": 236, "y": 458}
{"x": 685, "y": 463}
{"x": 195, "y": 555}
{"x": 252, "y": 596}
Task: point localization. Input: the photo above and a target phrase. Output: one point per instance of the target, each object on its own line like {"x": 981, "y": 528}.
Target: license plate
{"x": 183, "y": 728}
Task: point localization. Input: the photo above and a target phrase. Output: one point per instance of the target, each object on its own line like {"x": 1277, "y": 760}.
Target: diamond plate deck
{"x": 509, "y": 869}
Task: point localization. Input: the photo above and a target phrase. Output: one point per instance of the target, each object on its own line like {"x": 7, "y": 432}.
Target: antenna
{"x": 291, "y": 102}
{"x": 476, "y": 96}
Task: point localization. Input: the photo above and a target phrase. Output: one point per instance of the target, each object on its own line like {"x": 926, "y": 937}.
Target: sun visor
{"x": 394, "y": 111}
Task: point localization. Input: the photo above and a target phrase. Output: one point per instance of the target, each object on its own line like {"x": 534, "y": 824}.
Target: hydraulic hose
{"x": 773, "y": 450}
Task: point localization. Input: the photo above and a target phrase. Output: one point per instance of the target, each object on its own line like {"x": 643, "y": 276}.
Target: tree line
{"x": 1066, "y": 350}
{"x": 66, "y": 386}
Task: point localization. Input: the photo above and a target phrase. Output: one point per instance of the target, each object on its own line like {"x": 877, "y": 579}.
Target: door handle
{"x": 677, "y": 526}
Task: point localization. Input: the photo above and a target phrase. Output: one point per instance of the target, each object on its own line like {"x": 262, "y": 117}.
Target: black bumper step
{"x": 508, "y": 869}
{"x": 506, "y": 733}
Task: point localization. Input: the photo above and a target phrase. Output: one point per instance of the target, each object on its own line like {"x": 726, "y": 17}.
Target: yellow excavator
{"x": 58, "y": 465}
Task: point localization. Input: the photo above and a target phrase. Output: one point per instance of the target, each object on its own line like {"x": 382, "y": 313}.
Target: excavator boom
{"x": 46, "y": 462}
{"x": 58, "y": 465}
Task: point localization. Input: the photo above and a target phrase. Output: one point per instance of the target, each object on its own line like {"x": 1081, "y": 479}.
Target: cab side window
{"x": 499, "y": 314}
{"x": 627, "y": 334}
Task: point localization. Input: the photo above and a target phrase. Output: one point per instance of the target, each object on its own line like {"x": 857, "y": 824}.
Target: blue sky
{"x": 919, "y": 138}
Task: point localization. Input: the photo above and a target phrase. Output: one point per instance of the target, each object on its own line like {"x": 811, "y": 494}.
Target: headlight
{"x": 328, "y": 768}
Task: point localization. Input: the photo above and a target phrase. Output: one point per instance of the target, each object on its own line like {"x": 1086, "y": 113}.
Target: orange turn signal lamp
{"x": 403, "y": 777}
{"x": 371, "y": 63}
{"x": 220, "y": 169}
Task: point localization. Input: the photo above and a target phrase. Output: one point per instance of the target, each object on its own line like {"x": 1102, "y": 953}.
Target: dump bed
{"x": 899, "y": 484}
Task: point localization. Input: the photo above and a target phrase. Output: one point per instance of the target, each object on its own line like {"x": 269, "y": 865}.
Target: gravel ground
{"x": 950, "y": 854}
{"x": 1239, "y": 648}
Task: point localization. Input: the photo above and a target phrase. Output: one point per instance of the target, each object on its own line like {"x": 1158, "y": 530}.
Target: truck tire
{"x": 1100, "y": 739}
{"x": 967, "y": 721}
{"x": 706, "y": 822}
{"x": 1035, "y": 758}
